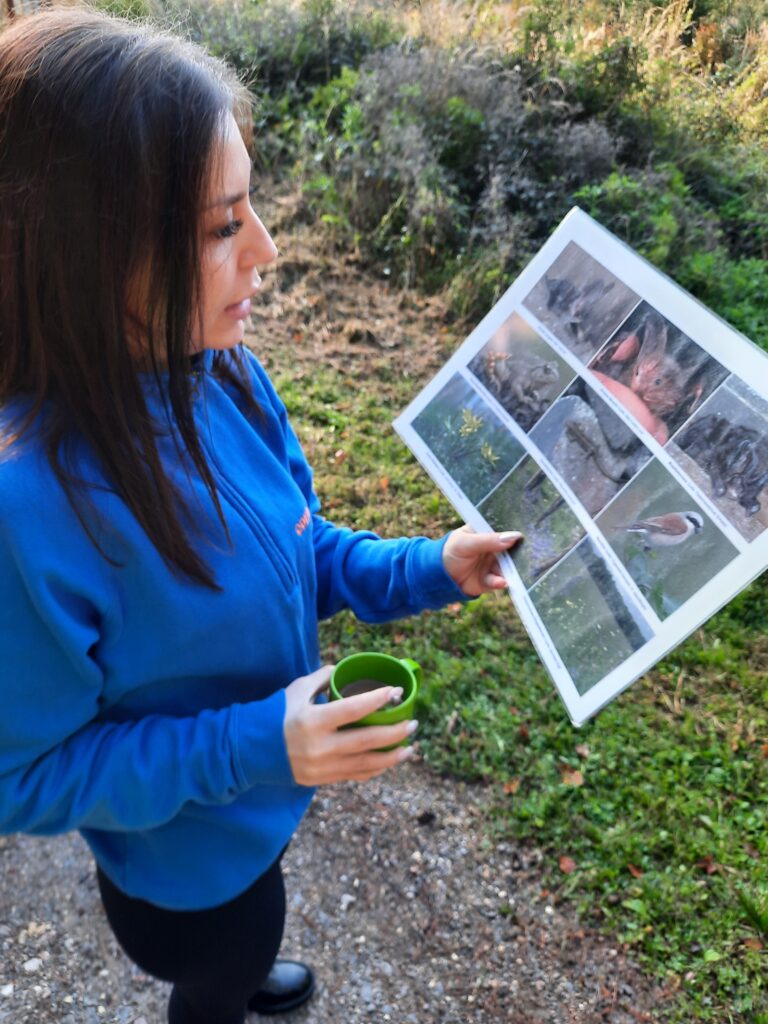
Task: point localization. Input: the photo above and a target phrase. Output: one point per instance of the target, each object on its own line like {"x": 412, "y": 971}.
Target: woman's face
{"x": 235, "y": 245}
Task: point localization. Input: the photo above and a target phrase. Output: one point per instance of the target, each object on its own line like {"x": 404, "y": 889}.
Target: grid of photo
{"x": 628, "y": 453}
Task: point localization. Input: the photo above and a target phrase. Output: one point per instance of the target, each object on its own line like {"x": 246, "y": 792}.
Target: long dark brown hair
{"x": 109, "y": 134}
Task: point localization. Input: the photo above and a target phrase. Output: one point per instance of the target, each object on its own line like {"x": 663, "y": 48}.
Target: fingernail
{"x": 507, "y": 538}
{"x": 413, "y": 725}
{"x": 406, "y": 754}
{"x": 396, "y": 695}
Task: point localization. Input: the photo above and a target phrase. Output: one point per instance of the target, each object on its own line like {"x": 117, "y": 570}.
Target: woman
{"x": 163, "y": 561}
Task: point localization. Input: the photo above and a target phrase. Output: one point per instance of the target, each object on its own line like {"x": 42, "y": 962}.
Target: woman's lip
{"x": 239, "y": 310}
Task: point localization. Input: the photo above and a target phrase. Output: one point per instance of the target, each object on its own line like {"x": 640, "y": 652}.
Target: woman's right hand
{"x": 321, "y": 752}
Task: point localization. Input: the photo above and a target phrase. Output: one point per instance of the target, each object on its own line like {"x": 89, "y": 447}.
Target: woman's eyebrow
{"x": 228, "y": 200}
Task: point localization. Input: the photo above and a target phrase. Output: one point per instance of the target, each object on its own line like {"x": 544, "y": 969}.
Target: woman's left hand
{"x": 470, "y": 559}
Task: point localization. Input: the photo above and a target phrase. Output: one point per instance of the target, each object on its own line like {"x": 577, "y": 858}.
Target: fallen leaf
{"x": 523, "y": 733}
{"x": 635, "y": 872}
{"x": 512, "y": 786}
{"x": 751, "y": 851}
{"x": 454, "y": 608}
{"x": 753, "y": 943}
{"x": 764, "y": 749}
{"x": 514, "y": 711}
{"x": 571, "y": 776}
{"x": 340, "y": 455}
{"x": 384, "y": 483}
{"x": 567, "y": 864}
{"x": 709, "y": 864}
{"x": 582, "y": 750}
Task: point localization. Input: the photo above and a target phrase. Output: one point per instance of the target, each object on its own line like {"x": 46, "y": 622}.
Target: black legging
{"x": 216, "y": 959}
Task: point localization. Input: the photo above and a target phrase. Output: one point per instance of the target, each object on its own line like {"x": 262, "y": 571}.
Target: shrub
{"x": 134, "y": 9}
{"x": 736, "y": 289}
{"x": 434, "y": 155}
{"x": 288, "y": 45}
{"x": 734, "y": 183}
{"x": 653, "y": 211}
{"x": 284, "y": 50}
{"x": 450, "y": 164}
{"x": 657, "y": 214}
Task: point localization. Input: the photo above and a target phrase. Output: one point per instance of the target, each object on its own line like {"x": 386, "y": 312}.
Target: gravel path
{"x": 407, "y": 911}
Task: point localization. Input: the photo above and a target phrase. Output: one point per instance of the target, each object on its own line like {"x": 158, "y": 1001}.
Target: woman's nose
{"x": 260, "y": 248}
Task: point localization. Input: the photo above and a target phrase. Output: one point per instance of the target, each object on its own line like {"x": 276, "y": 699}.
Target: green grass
{"x": 667, "y": 830}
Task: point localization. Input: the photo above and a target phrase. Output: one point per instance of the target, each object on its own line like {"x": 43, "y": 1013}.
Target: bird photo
{"x": 580, "y": 301}
{"x": 724, "y": 450}
{"x": 665, "y": 530}
{"x": 668, "y": 544}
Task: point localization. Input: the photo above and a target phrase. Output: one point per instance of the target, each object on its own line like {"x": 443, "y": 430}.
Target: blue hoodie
{"x": 147, "y": 710}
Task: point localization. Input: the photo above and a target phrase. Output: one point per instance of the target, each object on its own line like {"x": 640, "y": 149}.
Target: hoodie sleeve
{"x": 378, "y": 579}
{"x": 62, "y": 765}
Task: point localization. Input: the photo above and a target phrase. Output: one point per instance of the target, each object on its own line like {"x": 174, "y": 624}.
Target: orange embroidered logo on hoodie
{"x": 303, "y": 523}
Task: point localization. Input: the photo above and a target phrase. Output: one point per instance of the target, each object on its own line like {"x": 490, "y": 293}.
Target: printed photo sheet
{"x": 623, "y": 429}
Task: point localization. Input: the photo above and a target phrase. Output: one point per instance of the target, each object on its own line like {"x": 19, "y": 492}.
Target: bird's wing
{"x": 670, "y": 525}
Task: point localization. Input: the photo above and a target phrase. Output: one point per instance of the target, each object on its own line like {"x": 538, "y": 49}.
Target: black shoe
{"x": 288, "y": 985}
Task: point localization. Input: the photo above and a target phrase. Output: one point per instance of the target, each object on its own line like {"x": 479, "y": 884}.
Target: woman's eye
{"x": 229, "y": 230}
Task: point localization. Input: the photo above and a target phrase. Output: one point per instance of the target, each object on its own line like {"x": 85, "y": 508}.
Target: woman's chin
{"x": 232, "y": 335}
